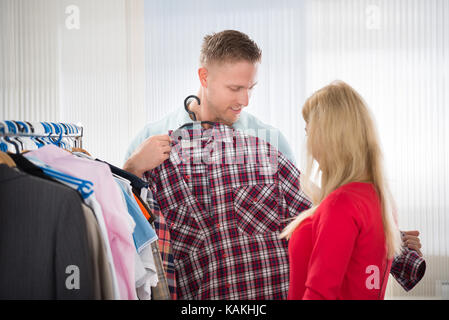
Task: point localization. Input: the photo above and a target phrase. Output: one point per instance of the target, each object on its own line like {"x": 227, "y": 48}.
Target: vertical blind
{"x": 29, "y": 60}
{"x": 102, "y": 75}
{"x": 75, "y": 61}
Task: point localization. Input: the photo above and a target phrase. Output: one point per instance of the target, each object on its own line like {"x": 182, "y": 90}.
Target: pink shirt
{"x": 115, "y": 214}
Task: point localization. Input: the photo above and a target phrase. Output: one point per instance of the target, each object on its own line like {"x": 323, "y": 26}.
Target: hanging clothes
{"x": 165, "y": 288}
{"x": 144, "y": 235}
{"x": 118, "y": 222}
{"x": 84, "y": 188}
{"x": 149, "y": 274}
{"x": 102, "y": 274}
{"x": 226, "y": 196}
{"x": 52, "y": 258}
{"x": 102, "y": 278}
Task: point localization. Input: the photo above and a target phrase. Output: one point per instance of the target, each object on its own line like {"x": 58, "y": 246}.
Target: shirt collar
{"x": 218, "y": 132}
{"x": 183, "y": 118}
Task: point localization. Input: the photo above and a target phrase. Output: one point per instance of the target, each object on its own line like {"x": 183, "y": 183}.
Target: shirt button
{"x": 225, "y": 255}
{"x": 187, "y": 178}
{"x": 228, "y": 285}
{"x": 218, "y": 226}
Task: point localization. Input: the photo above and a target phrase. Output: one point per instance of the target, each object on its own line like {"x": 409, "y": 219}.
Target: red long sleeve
{"x": 332, "y": 252}
{"x": 334, "y": 235}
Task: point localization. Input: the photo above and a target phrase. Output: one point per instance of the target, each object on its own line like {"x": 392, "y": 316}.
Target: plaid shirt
{"x": 225, "y": 209}
{"x": 225, "y": 206}
{"x": 408, "y": 268}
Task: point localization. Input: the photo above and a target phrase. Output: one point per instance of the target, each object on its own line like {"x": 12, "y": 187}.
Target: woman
{"x": 342, "y": 248}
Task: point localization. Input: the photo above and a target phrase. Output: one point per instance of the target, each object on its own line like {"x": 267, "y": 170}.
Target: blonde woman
{"x": 342, "y": 248}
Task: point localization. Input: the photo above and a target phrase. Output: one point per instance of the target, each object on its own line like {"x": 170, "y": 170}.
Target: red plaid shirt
{"x": 408, "y": 268}
{"x": 225, "y": 206}
{"x": 163, "y": 234}
{"x": 225, "y": 210}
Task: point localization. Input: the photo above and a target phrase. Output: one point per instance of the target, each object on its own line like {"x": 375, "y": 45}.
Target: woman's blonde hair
{"x": 342, "y": 138}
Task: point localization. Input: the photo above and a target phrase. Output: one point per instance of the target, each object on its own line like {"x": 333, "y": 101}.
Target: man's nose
{"x": 244, "y": 98}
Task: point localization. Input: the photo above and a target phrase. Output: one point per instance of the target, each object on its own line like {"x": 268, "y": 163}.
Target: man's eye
{"x": 234, "y": 89}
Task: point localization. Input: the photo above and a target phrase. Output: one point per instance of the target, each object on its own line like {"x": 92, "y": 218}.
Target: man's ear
{"x": 202, "y": 74}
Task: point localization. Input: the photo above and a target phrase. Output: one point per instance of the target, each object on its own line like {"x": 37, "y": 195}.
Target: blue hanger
{"x": 21, "y": 128}
{"x": 37, "y": 141}
{"x": 16, "y": 146}
{"x": 48, "y": 130}
{"x": 12, "y": 128}
{"x": 3, "y": 146}
{"x": 84, "y": 187}
{"x": 60, "y": 131}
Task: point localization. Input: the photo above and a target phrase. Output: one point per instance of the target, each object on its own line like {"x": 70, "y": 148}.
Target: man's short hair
{"x": 229, "y": 46}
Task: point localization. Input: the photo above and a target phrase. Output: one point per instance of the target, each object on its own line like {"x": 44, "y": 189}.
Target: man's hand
{"x": 410, "y": 239}
{"x": 150, "y": 154}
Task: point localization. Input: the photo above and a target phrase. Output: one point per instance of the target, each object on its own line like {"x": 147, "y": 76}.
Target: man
{"x": 228, "y": 70}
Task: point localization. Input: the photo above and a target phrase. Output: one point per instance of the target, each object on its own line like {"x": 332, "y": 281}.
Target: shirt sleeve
{"x": 295, "y": 199}
{"x": 408, "y": 268}
{"x": 334, "y": 235}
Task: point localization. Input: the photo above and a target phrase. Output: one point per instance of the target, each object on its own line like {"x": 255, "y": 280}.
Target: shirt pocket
{"x": 256, "y": 209}
{"x": 186, "y": 235}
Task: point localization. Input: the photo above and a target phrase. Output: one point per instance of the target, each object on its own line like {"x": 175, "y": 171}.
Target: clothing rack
{"x": 49, "y": 132}
{"x": 139, "y": 250}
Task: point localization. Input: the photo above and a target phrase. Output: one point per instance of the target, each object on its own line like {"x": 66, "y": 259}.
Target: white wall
{"x": 174, "y": 31}
{"x": 91, "y": 74}
{"x": 29, "y": 60}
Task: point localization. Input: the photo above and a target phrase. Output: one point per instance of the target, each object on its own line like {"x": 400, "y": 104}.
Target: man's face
{"x": 228, "y": 90}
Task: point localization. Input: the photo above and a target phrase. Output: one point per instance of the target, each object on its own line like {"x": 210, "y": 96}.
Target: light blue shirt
{"x": 143, "y": 233}
{"x": 247, "y": 123}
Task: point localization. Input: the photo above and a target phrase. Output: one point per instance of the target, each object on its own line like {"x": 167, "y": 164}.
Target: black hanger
{"x": 135, "y": 181}
{"x": 21, "y": 129}
{"x": 186, "y": 105}
{"x": 178, "y": 135}
{"x": 30, "y": 126}
{"x": 191, "y": 124}
{"x": 35, "y": 138}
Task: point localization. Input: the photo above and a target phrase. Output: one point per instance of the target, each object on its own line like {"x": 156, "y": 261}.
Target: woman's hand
{"x": 411, "y": 240}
